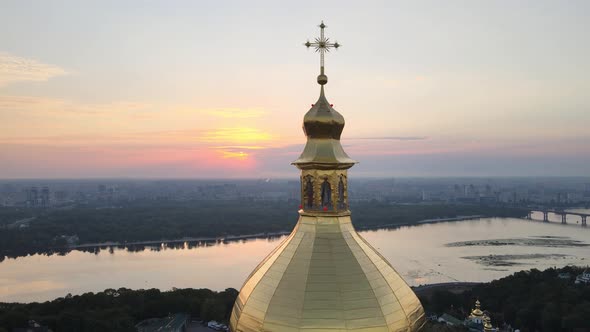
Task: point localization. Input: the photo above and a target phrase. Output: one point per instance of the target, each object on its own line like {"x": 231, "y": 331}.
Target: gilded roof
{"x": 323, "y": 126}
{"x": 476, "y": 313}
{"x": 325, "y": 277}
{"x": 322, "y": 120}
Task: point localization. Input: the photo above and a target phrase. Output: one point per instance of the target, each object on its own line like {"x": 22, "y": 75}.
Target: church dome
{"x": 323, "y": 126}
{"x": 322, "y": 120}
{"x": 326, "y": 277}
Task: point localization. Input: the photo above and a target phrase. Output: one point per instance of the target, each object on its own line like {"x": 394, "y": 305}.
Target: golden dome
{"x": 322, "y": 120}
{"x": 325, "y": 277}
{"x": 477, "y": 313}
{"x": 487, "y": 325}
{"x": 323, "y": 126}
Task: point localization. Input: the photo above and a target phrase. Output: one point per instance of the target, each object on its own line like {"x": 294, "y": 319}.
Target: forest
{"x": 117, "y": 310}
{"x": 529, "y": 300}
{"x": 170, "y": 220}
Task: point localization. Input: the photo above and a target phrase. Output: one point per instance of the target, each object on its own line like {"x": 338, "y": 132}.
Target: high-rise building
{"x": 324, "y": 276}
{"x": 45, "y": 197}
{"x": 32, "y": 196}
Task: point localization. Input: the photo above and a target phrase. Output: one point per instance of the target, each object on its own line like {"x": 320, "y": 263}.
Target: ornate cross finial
{"x": 322, "y": 45}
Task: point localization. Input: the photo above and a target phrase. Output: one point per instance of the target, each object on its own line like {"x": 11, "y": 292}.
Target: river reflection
{"x": 471, "y": 250}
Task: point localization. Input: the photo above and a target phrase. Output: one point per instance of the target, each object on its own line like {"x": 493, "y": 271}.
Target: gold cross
{"x": 322, "y": 45}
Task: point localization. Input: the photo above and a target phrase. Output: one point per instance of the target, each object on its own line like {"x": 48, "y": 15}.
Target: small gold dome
{"x": 322, "y": 120}
{"x": 477, "y": 312}
{"x": 323, "y": 126}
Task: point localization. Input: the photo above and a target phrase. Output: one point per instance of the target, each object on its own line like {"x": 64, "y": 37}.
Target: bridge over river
{"x": 562, "y": 213}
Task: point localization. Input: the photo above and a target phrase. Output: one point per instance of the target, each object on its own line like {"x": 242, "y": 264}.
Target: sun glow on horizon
{"x": 240, "y": 155}
{"x": 495, "y": 100}
{"x": 236, "y": 135}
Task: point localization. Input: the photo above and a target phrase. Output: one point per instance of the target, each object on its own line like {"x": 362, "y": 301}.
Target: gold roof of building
{"x": 323, "y": 126}
{"x": 477, "y": 312}
{"x": 487, "y": 325}
{"x": 325, "y": 277}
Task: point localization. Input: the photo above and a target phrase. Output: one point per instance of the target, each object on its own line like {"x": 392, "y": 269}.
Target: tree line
{"x": 529, "y": 300}
{"x": 166, "y": 220}
{"x": 117, "y": 310}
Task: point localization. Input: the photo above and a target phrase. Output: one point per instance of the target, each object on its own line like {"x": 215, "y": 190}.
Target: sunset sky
{"x": 210, "y": 89}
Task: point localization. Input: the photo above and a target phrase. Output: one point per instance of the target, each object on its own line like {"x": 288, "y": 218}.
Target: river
{"x": 470, "y": 250}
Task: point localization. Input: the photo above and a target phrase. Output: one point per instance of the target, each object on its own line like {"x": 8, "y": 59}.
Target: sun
{"x": 239, "y": 136}
{"x": 239, "y": 155}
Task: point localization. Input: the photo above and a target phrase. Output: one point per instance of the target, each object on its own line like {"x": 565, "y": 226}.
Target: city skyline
{"x": 211, "y": 91}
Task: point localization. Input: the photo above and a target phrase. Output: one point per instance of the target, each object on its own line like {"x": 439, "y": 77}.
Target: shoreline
{"x": 187, "y": 239}
{"x": 422, "y": 290}
{"x": 230, "y": 238}
{"x": 424, "y": 222}
{"x": 221, "y": 239}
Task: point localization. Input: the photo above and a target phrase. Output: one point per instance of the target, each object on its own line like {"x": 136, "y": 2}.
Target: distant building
{"x": 583, "y": 278}
{"x": 61, "y": 196}
{"x": 476, "y": 316}
{"x": 38, "y": 197}
{"x": 487, "y": 325}
{"x": 32, "y": 196}
{"x": 478, "y": 321}
{"x": 44, "y": 197}
{"x": 450, "y": 320}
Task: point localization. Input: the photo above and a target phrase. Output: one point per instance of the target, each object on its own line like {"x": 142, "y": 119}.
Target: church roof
{"x": 323, "y": 126}
{"x": 477, "y": 312}
{"x": 326, "y": 276}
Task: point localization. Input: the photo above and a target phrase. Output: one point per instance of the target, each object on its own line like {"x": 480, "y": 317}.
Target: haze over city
{"x": 111, "y": 89}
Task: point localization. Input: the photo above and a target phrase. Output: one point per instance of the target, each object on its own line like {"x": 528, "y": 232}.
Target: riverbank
{"x": 182, "y": 240}
{"x": 173, "y": 223}
{"x": 421, "y": 222}
{"x": 231, "y": 238}
{"x": 422, "y": 255}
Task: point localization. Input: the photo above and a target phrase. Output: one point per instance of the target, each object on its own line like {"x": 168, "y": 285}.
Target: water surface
{"x": 471, "y": 250}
